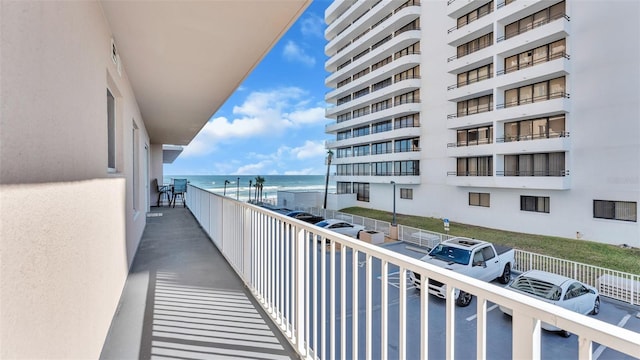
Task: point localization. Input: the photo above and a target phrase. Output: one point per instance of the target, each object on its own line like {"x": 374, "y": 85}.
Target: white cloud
{"x": 307, "y": 171}
{"x": 263, "y": 113}
{"x": 309, "y": 149}
{"x": 312, "y": 25}
{"x": 252, "y": 169}
{"x": 293, "y": 52}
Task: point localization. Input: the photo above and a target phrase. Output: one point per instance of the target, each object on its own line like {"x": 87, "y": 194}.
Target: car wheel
{"x": 506, "y": 275}
{"x": 596, "y": 306}
{"x": 464, "y": 299}
{"x": 564, "y": 333}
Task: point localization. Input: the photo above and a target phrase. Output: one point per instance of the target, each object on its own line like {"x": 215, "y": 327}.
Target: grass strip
{"x": 583, "y": 251}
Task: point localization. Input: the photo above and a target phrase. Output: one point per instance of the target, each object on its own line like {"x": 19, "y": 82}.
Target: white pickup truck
{"x": 478, "y": 259}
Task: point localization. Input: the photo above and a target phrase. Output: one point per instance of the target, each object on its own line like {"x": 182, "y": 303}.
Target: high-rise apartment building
{"x": 518, "y": 115}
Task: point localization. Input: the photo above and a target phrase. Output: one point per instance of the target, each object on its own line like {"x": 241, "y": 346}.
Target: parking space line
{"x": 394, "y": 280}
{"x": 472, "y": 317}
{"x": 602, "y": 348}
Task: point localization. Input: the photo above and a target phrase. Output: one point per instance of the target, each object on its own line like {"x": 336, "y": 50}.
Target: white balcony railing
{"x": 308, "y": 288}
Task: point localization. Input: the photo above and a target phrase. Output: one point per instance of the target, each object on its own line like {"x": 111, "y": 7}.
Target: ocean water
{"x": 238, "y": 186}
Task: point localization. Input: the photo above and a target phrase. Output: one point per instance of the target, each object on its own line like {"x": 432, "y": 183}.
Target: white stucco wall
{"x": 69, "y": 228}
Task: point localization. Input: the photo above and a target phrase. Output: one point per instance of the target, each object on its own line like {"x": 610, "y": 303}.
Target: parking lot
{"x": 499, "y": 333}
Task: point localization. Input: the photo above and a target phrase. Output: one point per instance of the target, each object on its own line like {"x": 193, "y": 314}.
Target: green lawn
{"x": 588, "y": 252}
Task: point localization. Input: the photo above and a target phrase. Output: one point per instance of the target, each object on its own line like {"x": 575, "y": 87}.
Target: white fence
{"x": 310, "y": 290}
{"x": 610, "y": 283}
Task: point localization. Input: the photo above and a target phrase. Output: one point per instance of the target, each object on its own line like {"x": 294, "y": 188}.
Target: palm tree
{"x": 259, "y": 186}
{"x": 326, "y": 184}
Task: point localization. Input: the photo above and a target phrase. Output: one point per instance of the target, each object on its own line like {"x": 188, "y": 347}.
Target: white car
{"x": 558, "y": 290}
{"x": 341, "y": 227}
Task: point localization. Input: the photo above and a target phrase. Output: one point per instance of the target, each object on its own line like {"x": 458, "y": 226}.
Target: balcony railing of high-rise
{"x": 309, "y": 280}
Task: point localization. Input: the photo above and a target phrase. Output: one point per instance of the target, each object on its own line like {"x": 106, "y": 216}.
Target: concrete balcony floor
{"x": 183, "y": 300}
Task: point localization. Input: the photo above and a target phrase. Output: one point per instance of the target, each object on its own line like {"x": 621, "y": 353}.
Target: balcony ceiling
{"x": 185, "y": 58}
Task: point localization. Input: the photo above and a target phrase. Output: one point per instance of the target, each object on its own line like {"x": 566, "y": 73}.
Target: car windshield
{"x": 537, "y": 287}
{"x": 322, "y": 224}
{"x": 451, "y": 254}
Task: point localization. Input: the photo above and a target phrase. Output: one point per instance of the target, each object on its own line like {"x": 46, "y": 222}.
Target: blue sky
{"x": 274, "y": 123}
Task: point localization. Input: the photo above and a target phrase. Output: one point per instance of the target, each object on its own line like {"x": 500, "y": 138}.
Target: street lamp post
{"x": 238, "y": 191}
{"x": 394, "y": 203}
{"x": 225, "y": 187}
{"x": 326, "y": 182}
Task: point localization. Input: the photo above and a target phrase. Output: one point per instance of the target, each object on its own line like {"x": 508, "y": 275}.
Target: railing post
{"x": 299, "y": 294}
{"x": 525, "y": 336}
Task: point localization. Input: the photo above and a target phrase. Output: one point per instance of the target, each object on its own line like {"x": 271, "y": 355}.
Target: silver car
{"x": 558, "y": 290}
{"x": 341, "y": 227}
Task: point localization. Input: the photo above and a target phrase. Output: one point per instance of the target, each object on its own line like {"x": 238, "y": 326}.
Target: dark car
{"x": 305, "y": 216}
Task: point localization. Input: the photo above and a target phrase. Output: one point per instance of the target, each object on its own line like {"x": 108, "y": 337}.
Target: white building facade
{"x": 516, "y": 115}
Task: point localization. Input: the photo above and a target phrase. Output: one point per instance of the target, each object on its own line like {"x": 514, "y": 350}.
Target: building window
{"x": 343, "y": 169}
{"x": 539, "y": 55}
{"x": 344, "y": 82}
{"x": 344, "y": 100}
{"x": 410, "y": 97}
{"x": 406, "y": 145}
{"x": 475, "y": 136}
{"x": 361, "y": 169}
{"x": 475, "y": 14}
{"x": 365, "y": 52}
{"x": 343, "y": 187}
{"x": 135, "y": 173}
{"x": 475, "y": 106}
{"x": 344, "y": 64}
{"x": 111, "y": 132}
{"x": 406, "y": 193}
{"x": 361, "y": 112}
{"x": 384, "y": 168}
{"x": 540, "y": 18}
{"x": 361, "y": 150}
{"x": 361, "y": 93}
{"x": 475, "y": 166}
{"x": 542, "y": 91}
{"x": 360, "y": 74}
{"x": 534, "y": 203}
{"x": 343, "y": 152}
{"x": 361, "y": 131}
{"x": 475, "y": 75}
{"x": 414, "y": 25}
{"x": 343, "y": 135}
{"x": 381, "y": 63}
{"x": 412, "y": 120}
{"x": 382, "y": 105}
{"x": 407, "y": 168}
{"x": 381, "y": 126}
{"x": 540, "y": 128}
{"x": 381, "y": 84}
{"x": 543, "y": 164}
{"x": 475, "y": 45}
{"x": 615, "y": 210}
{"x": 343, "y": 117}
{"x": 362, "y": 191}
{"x": 409, "y": 50}
{"x": 381, "y": 42}
{"x": 413, "y": 73}
{"x": 381, "y": 148}
{"x": 479, "y": 199}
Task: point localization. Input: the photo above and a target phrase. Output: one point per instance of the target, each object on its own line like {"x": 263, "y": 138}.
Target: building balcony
{"x": 389, "y": 70}
{"x": 530, "y": 145}
{"x": 373, "y": 34}
{"x": 458, "y": 36}
{"x": 485, "y": 149}
{"x": 556, "y": 29}
{"x": 540, "y": 108}
{"x": 470, "y": 61}
{"x": 482, "y": 118}
{"x": 182, "y": 299}
{"x": 557, "y": 67}
{"x": 222, "y": 278}
{"x": 542, "y": 182}
{"x": 457, "y": 8}
{"x": 483, "y": 86}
